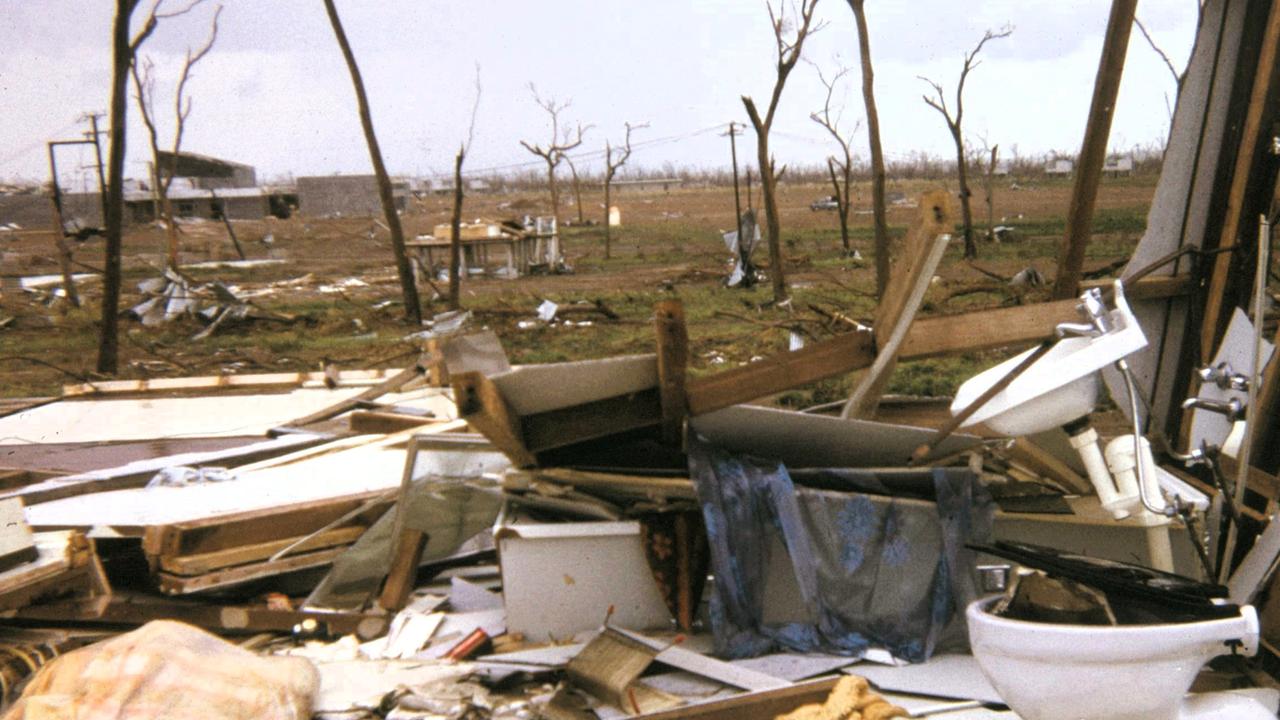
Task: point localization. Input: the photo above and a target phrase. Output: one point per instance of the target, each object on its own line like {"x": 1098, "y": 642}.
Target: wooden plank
{"x": 1093, "y": 149}
{"x": 776, "y": 373}
{"x": 601, "y": 418}
{"x": 257, "y": 526}
{"x": 127, "y": 610}
{"x": 481, "y": 404}
{"x": 1216, "y": 312}
{"x": 673, "y": 361}
{"x": 1044, "y": 463}
{"x": 244, "y": 554}
{"x": 218, "y": 382}
{"x": 903, "y": 297}
{"x": 765, "y": 705}
{"x": 391, "y": 384}
{"x": 367, "y": 422}
{"x": 985, "y": 329}
{"x": 1266, "y": 437}
{"x": 404, "y": 569}
{"x": 171, "y": 584}
{"x": 632, "y": 486}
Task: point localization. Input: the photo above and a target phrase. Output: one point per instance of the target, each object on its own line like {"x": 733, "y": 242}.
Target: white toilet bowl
{"x": 1050, "y": 671}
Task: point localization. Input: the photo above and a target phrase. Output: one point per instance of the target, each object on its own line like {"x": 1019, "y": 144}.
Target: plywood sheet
{"x": 531, "y": 389}
{"x": 375, "y": 465}
{"x": 215, "y": 415}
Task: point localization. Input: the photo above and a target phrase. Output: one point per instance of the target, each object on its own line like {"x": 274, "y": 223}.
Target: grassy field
{"x": 669, "y": 246}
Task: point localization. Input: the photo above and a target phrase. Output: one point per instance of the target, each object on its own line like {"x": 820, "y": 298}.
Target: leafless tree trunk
{"x": 878, "y": 209}
{"x": 841, "y": 182}
{"x": 144, "y": 84}
{"x": 455, "y": 227}
{"x": 408, "y": 288}
{"x": 611, "y": 167}
{"x": 939, "y": 103}
{"x": 557, "y": 148}
{"x": 989, "y": 186}
{"x": 788, "y": 54}
{"x": 577, "y": 188}
{"x": 124, "y": 47}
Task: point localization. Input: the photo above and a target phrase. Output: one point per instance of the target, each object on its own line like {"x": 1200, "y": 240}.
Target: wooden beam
{"x": 601, "y": 418}
{"x": 227, "y": 577}
{"x": 1093, "y": 150}
{"x": 257, "y": 526}
{"x": 776, "y": 373}
{"x": 764, "y": 705}
{"x": 926, "y": 242}
{"x": 374, "y": 422}
{"x": 230, "y": 557}
{"x": 404, "y": 570}
{"x": 391, "y": 384}
{"x": 1215, "y": 312}
{"x": 481, "y": 404}
{"x": 673, "y": 361}
{"x": 985, "y": 329}
{"x": 123, "y": 609}
{"x": 217, "y": 382}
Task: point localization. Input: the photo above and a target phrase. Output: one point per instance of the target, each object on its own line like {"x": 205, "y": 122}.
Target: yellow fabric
{"x": 168, "y": 669}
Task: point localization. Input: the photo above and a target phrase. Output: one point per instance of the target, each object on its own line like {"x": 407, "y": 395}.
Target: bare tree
{"x": 841, "y": 181}
{"x": 455, "y": 221}
{"x": 939, "y": 103}
{"x": 987, "y": 159}
{"x": 611, "y": 166}
{"x": 1177, "y": 76}
{"x": 577, "y": 188}
{"x": 561, "y": 143}
{"x": 144, "y": 84}
{"x": 408, "y": 287}
{"x": 788, "y": 45}
{"x": 124, "y": 47}
{"x": 878, "y": 209}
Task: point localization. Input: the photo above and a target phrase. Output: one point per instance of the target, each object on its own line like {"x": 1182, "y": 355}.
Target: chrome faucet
{"x": 1224, "y": 377}
{"x": 1233, "y": 409}
{"x": 1094, "y": 311}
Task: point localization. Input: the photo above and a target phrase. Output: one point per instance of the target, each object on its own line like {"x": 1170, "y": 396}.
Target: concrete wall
{"x": 346, "y": 195}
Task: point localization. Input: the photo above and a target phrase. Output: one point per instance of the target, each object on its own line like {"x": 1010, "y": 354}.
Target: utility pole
{"x": 748, "y": 187}
{"x": 59, "y": 226}
{"x": 97, "y": 152}
{"x": 737, "y": 200}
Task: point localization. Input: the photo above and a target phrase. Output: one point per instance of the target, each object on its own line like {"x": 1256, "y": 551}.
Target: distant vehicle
{"x": 827, "y": 202}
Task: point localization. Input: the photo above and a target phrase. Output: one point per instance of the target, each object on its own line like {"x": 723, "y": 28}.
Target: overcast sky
{"x": 275, "y": 93}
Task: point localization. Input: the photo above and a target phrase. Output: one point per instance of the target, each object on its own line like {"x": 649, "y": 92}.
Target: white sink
{"x": 1061, "y": 386}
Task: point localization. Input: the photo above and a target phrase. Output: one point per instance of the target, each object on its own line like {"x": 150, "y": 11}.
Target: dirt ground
{"x": 337, "y": 280}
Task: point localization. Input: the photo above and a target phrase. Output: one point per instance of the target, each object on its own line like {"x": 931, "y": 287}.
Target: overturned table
{"x": 520, "y": 251}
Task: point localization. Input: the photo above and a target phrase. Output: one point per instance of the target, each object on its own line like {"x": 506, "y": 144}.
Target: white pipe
{"x": 1086, "y": 444}
{"x": 1124, "y": 466}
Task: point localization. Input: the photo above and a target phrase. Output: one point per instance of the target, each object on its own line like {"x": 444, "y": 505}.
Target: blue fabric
{"x": 864, "y": 569}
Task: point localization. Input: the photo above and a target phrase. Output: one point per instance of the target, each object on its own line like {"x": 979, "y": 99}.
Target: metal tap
{"x": 1095, "y": 313}
{"x": 1233, "y": 409}
{"x": 1224, "y": 377}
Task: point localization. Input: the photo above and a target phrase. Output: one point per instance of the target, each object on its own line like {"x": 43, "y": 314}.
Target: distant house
{"x": 1117, "y": 165}
{"x": 1059, "y": 166}
{"x": 346, "y": 195}
{"x": 207, "y": 173}
{"x": 1003, "y": 167}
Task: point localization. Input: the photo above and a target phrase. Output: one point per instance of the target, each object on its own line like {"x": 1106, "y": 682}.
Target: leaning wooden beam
{"x": 391, "y": 384}
{"x": 1215, "y": 311}
{"x": 927, "y": 243}
{"x": 1266, "y": 437}
{"x": 765, "y": 705}
{"x": 986, "y": 329}
{"x": 481, "y": 404}
{"x": 1093, "y": 150}
{"x": 673, "y": 359}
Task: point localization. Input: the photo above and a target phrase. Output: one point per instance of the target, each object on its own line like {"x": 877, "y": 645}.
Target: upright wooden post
{"x": 1215, "y": 311}
{"x": 60, "y": 233}
{"x": 673, "y": 358}
{"x": 1093, "y": 151}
